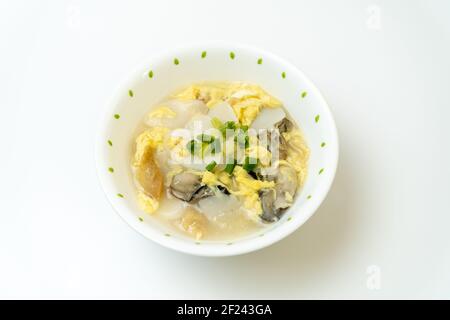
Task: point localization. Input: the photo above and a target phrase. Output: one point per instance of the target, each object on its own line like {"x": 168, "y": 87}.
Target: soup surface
{"x": 218, "y": 160}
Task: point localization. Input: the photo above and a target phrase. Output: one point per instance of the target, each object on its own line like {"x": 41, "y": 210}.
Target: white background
{"x": 383, "y": 231}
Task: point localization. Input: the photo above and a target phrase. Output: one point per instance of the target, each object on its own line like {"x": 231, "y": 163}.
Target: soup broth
{"x": 218, "y": 161}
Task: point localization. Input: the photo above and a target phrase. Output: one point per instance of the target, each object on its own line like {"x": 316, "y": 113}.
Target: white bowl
{"x": 170, "y": 71}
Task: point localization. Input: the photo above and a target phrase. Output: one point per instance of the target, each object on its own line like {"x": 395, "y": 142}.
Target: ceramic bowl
{"x": 169, "y": 71}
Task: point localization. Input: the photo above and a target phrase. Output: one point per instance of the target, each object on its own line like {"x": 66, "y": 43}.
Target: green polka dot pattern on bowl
{"x": 176, "y": 61}
{"x": 323, "y": 144}
{"x": 111, "y": 169}
{"x": 317, "y": 118}
{"x": 150, "y": 74}
{"x": 321, "y": 171}
{"x": 283, "y": 75}
{"x": 110, "y": 143}
{"x": 120, "y": 195}
{"x": 203, "y": 54}
{"x": 117, "y": 116}
{"x": 141, "y": 219}
{"x": 304, "y": 93}
{"x": 260, "y": 61}
{"x": 131, "y": 93}
{"x": 232, "y": 55}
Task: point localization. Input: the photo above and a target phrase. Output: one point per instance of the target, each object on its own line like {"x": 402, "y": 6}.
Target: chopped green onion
{"x": 205, "y": 138}
{"x": 211, "y": 148}
{"x": 211, "y": 165}
{"x": 230, "y": 125}
{"x": 192, "y": 146}
{"x": 215, "y": 146}
{"x": 249, "y": 163}
{"x": 216, "y": 123}
{"x": 223, "y": 127}
{"x": 230, "y": 167}
{"x": 242, "y": 139}
{"x": 244, "y": 128}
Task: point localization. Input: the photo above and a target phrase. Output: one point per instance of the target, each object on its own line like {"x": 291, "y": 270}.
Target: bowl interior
{"x": 171, "y": 71}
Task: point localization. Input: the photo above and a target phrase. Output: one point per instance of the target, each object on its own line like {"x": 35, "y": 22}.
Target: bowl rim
{"x": 238, "y": 248}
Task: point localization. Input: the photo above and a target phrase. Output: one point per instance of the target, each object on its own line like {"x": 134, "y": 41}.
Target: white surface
{"x": 388, "y": 87}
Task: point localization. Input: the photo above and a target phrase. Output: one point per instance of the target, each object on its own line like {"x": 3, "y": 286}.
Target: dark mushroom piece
{"x": 285, "y": 183}
{"x": 267, "y": 197}
{"x": 275, "y": 201}
{"x": 284, "y": 125}
{"x": 223, "y": 190}
{"x": 187, "y": 186}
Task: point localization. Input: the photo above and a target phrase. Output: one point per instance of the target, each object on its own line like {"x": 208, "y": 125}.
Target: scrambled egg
{"x": 177, "y": 146}
{"x": 147, "y": 203}
{"x": 211, "y": 94}
{"x": 150, "y": 138}
{"x": 240, "y": 184}
{"x": 247, "y": 189}
{"x": 247, "y": 100}
{"x": 162, "y": 112}
{"x": 210, "y": 179}
{"x": 298, "y": 153}
{"x": 257, "y": 151}
{"x": 218, "y": 178}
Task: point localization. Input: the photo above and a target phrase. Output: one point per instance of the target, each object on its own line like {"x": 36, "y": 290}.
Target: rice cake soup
{"x": 218, "y": 161}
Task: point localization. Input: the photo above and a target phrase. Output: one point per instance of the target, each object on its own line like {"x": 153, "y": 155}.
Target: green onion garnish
{"x": 249, "y": 164}
{"x": 215, "y": 146}
{"x": 244, "y": 128}
{"x": 230, "y": 125}
{"x": 205, "y": 138}
{"x": 242, "y": 139}
{"x": 230, "y": 167}
{"x": 211, "y": 165}
{"x": 192, "y": 146}
{"x": 216, "y": 123}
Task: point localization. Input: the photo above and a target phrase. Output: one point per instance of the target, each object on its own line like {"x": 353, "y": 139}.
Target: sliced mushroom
{"x": 275, "y": 201}
{"x": 202, "y": 192}
{"x": 285, "y": 187}
{"x": 281, "y": 145}
{"x": 284, "y": 125}
{"x": 267, "y": 197}
{"x": 188, "y": 187}
{"x": 224, "y": 190}
{"x": 282, "y": 148}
